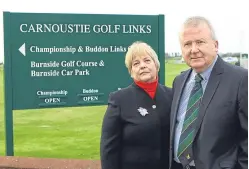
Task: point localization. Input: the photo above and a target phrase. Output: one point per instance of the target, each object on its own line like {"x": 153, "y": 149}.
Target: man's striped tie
{"x": 185, "y": 153}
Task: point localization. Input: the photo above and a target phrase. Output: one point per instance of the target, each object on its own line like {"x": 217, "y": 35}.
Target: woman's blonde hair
{"x": 139, "y": 49}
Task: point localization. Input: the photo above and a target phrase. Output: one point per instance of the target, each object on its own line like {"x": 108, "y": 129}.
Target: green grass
{"x": 172, "y": 70}
{"x": 61, "y": 132}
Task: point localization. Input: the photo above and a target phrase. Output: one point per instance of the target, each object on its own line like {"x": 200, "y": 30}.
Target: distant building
{"x": 173, "y": 54}
{"x": 244, "y": 60}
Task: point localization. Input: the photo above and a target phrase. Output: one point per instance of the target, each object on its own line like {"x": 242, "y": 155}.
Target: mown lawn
{"x": 172, "y": 70}
{"x": 61, "y": 132}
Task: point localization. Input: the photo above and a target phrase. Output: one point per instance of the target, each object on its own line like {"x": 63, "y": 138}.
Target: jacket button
{"x": 153, "y": 106}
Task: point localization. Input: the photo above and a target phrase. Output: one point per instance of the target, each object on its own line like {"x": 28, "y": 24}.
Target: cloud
{"x": 228, "y": 17}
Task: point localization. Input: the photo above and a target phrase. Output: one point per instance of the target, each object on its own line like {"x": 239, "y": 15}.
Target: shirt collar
{"x": 206, "y": 74}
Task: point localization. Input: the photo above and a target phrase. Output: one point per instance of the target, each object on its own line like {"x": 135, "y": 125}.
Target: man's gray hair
{"x": 196, "y": 21}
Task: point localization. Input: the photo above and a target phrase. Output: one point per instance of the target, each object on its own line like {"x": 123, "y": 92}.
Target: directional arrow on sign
{"x": 22, "y": 49}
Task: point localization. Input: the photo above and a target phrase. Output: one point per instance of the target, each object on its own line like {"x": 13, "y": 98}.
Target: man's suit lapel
{"x": 210, "y": 90}
{"x": 180, "y": 87}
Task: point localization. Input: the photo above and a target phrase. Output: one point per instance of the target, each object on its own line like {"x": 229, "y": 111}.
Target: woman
{"x": 135, "y": 129}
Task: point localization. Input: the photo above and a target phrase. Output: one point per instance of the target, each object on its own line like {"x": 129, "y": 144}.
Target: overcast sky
{"x": 229, "y": 18}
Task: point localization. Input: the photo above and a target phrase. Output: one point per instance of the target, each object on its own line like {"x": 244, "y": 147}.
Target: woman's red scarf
{"x": 149, "y": 88}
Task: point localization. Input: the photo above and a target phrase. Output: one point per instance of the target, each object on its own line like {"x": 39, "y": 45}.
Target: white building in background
{"x": 244, "y": 60}
{"x": 231, "y": 59}
{"x": 243, "y": 52}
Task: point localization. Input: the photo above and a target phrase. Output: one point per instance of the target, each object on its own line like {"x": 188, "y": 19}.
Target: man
{"x": 209, "y": 114}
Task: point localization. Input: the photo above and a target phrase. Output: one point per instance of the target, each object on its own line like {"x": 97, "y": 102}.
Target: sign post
{"x": 68, "y": 60}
